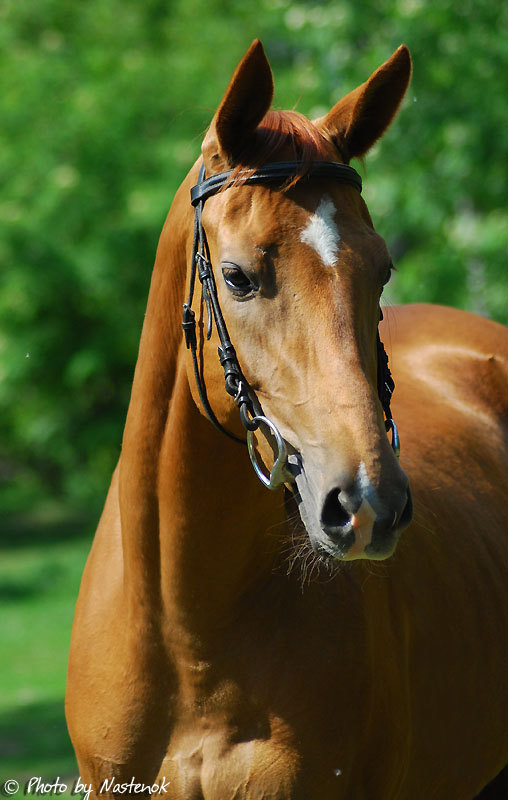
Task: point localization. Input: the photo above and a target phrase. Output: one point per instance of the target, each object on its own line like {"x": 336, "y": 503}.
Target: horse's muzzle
{"x": 360, "y": 525}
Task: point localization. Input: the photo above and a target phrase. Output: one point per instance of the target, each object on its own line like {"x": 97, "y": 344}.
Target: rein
{"x": 235, "y": 383}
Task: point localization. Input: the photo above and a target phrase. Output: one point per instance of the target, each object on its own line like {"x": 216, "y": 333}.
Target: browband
{"x": 275, "y": 173}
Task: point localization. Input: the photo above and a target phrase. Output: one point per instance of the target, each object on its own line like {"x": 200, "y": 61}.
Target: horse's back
{"x": 451, "y": 398}
{"x": 451, "y": 404}
{"x": 458, "y": 356}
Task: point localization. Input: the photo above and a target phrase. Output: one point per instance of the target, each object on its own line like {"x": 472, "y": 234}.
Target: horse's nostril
{"x": 390, "y": 522}
{"x": 407, "y": 514}
{"x": 334, "y": 516}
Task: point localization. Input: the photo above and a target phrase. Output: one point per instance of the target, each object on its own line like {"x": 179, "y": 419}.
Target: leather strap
{"x": 277, "y": 173}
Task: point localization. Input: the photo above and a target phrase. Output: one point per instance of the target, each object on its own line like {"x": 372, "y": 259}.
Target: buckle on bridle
{"x": 189, "y": 326}
{"x": 204, "y": 266}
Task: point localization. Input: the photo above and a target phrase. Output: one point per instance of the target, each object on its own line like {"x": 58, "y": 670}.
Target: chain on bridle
{"x": 236, "y": 385}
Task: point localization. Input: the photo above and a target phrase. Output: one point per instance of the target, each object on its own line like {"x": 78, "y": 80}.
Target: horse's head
{"x": 299, "y": 274}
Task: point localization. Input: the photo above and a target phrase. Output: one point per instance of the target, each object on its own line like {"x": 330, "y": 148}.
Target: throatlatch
{"x": 235, "y": 383}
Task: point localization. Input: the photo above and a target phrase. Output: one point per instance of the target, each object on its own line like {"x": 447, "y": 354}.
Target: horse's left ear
{"x": 363, "y": 115}
{"x": 245, "y": 103}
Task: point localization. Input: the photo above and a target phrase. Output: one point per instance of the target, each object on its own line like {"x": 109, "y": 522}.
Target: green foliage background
{"x": 103, "y": 108}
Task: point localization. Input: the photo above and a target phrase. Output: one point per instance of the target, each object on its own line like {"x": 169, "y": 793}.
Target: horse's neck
{"x": 218, "y": 525}
{"x": 152, "y": 389}
{"x": 197, "y": 526}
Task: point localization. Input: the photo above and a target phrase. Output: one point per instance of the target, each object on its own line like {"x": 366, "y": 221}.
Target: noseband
{"x": 236, "y": 385}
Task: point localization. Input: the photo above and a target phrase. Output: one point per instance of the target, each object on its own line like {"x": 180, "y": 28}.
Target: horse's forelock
{"x": 284, "y": 136}
{"x": 281, "y": 131}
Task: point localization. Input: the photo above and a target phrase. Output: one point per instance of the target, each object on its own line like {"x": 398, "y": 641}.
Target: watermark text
{"x": 110, "y": 786}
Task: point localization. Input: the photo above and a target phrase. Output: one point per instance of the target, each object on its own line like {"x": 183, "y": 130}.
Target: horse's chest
{"x": 208, "y": 764}
{"x": 280, "y": 726}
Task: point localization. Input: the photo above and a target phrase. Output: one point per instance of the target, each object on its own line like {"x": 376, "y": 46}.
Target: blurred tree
{"x": 103, "y": 108}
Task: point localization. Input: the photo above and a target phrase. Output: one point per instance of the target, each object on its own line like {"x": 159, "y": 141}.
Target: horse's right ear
{"x": 363, "y": 115}
{"x": 247, "y": 99}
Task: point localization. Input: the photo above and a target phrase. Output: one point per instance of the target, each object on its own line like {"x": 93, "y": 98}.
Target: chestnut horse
{"x": 236, "y": 642}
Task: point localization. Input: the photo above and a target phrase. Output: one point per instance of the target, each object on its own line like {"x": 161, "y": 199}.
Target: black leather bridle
{"x": 277, "y": 175}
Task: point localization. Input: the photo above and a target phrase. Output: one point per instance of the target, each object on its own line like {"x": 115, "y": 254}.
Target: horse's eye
{"x": 237, "y": 281}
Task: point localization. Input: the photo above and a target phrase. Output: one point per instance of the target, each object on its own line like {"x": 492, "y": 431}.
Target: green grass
{"x": 42, "y": 558}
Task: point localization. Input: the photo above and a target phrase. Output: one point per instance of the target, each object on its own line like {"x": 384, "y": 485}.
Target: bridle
{"x": 277, "y": 175}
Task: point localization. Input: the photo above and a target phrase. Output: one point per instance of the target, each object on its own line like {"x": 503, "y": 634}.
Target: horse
{"x": 329, "y": 621}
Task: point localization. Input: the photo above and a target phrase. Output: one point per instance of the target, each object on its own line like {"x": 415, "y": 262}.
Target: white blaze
{"x": 363, "y": 520}
{"x": 321, "y": 232}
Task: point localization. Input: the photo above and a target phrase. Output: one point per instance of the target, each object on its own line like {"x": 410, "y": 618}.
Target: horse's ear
{"x": 363, "y": 115}
{"x": 247, "y": 99}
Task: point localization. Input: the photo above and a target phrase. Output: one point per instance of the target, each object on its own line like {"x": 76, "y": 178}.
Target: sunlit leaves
{"x": 104, "y": 104}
